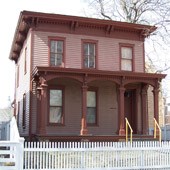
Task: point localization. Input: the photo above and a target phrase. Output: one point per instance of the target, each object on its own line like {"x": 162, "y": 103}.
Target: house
{"x": 78, "y": 78}
{"x": 5, "y": 117}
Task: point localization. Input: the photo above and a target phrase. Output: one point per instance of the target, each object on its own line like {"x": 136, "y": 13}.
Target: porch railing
{"x": 128, "y": 126}
{"x": 156, "y": 125}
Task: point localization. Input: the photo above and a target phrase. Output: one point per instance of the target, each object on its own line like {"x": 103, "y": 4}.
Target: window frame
{"x": 49, "y": 50}
{"x": 62, "y": 88}
{"x": 131, "y": 46}
{"x": 94, "y": 89}
{"x": 89, "y": 41}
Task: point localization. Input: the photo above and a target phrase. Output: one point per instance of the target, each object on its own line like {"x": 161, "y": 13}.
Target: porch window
{"x": 56, "y": 106}
{"x": 126, "y": 58}
{"x": 89, "y": 55}
{"x": 91, "y": 108}
{"x": 56, "y": 52}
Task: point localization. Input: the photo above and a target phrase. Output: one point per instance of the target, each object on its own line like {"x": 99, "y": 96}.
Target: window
{"x": 18, "y": 114}
{"x": 126, "y": 58}
{"x": 24, "y": 111}
{"x": 56, "y": 52}
{"x": 91, "y": 107}
{"x": 25, "y": 62}
{"x": 89, "y": 54}
{"x": 18, "y": 76}
{"x": 56, "y": 106}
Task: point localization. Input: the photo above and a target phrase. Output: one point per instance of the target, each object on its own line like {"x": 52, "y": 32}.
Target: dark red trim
{"x": 31, "y": 84}
{"x": 121, "y": 111}
{"x": 56, "y": 38}
{"x": 58, "y": 87}
{"x": 133, "y": 55}
{"x": 96, "y": 52}
{"x": 127, "y": 75}
{"x": 28, "y": 19}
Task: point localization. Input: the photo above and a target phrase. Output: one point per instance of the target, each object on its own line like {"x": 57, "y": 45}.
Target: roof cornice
{"x": 29, "y": 19}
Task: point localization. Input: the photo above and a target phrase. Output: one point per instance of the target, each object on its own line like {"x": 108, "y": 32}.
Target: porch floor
{"x": 91, "y": 138}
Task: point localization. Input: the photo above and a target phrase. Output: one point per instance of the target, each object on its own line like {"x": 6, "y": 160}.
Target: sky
{"x": 9, "y": 12}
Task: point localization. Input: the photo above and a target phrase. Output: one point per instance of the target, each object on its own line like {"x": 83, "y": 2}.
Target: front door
{"x": 130, "y": 108}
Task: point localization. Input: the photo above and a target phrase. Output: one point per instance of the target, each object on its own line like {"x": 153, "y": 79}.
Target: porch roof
{"x": 52, "y": 72}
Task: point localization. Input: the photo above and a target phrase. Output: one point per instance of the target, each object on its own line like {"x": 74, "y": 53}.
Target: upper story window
{"x": 127, "y": 58}
{"x": 17, "y": 80}
{"x": 92, "y": 107}
{"x": 57, "y": 52}
{"x": 56, "y": 112}
{"x": 89, "y": 54}
{"x": 25, "y": 61}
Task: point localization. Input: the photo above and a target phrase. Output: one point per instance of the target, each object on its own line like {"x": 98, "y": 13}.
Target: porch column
{"x": 38, "y": 108}
{"x": 144, "y": 110}
{"x": 121, "y": 111}
{"x": 84, "y": 130}
{"x": 156, "y": 103}
{"x": 43, "y": 110}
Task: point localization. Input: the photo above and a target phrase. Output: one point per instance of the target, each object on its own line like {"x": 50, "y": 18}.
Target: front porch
{"x": 120, "y": 95}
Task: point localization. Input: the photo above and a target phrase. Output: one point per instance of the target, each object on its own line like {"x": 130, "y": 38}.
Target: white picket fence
{"x": 88, "y": 155}
{"x": 11, "y": 155}
{"x": 15, "y": 155}
{"x": 11, "y": 148}
{"x": 84, "y": 155}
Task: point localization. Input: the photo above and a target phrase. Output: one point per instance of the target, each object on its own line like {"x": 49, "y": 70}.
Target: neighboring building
{"x": 6, "y": 114}
{"x": 78, "y": 78}
{"x": 167, "y": 118}
{"x": 5, "y": 118}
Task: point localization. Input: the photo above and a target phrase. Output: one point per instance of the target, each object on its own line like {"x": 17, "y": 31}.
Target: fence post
{"x": 21, "y": 154}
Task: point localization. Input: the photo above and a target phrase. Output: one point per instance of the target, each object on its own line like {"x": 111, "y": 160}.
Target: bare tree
{"x": 150, "y": 12}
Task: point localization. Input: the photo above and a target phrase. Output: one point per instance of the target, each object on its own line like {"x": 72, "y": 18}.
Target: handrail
{"x": 160, "y": 132}
{"x": 131, "y": 131}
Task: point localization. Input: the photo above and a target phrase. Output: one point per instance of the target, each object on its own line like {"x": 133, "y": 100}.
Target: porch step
{"x": 145, "y": 139}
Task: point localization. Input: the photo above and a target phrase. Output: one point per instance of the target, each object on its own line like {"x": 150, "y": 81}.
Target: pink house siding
{"x": 40, "y": 49}
{"x": 24, "y": 85}
{"x": 139, "y": 61}
{"x": 108, "y": 51}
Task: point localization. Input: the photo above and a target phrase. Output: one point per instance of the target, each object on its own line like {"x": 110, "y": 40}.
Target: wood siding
{"x": 108, "y": 51}
{"x": 24, "y": 86}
